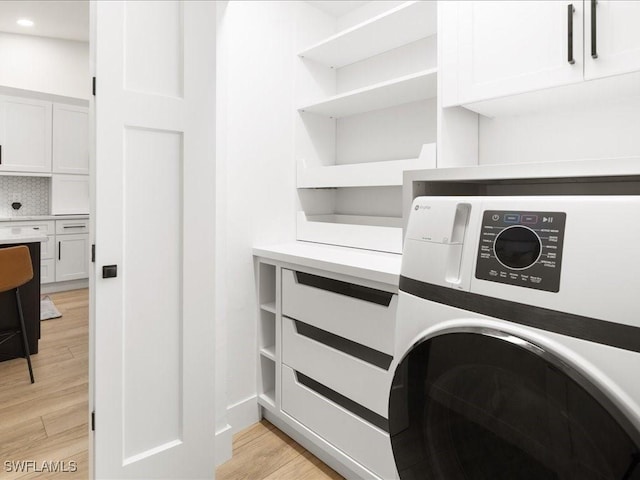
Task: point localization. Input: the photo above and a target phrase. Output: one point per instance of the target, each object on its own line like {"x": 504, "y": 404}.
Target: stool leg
{"x": 25, "y": 342}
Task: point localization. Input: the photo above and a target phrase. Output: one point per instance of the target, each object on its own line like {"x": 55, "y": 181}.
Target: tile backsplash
{"x": 32, "y": 192}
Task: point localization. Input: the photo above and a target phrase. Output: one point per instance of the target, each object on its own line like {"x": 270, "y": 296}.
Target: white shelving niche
{"x": 367, "y": 111}
{"x": 267, "y": 334}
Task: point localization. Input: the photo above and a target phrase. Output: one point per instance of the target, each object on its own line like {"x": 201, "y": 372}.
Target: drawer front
{"x": 47, "y": 248}
{"x": 353, "y": 377}
{"x": 362, "y": 321}
{"x": 46, "y": 227}
{"x": 47, "y": 271}
{"x": 64, "y": 227}
{"x": 366, "y": 444}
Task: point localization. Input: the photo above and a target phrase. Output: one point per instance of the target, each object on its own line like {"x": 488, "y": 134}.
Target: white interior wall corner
{"x": 257, "y": 171}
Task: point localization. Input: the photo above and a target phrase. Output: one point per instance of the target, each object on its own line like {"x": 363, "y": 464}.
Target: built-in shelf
{"x": 404, "y": 24}
{"x": 370, "y": 174}
{"x": 269, "y": 352}
{"x": 269, "y": 307}
{"x": 383, "y": 234}
{"x": 409, "y": 88}
{"x": 268, "y": 399}
{"x": 367, "y": 174}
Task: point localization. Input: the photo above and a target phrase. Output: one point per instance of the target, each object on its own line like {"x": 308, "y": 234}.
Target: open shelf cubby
{"x": 267, "y": 327}
{"x": 267, "y": 339}
{"x": 267, "y": 394}
{"x": 403, "y": 24}
{"x": 368, "y": 113}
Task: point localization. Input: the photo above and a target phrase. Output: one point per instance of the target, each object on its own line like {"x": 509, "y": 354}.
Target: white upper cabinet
{"x": 25, "y": 135}
{"x": 612, "y": 37}
{"x": 511, "y": 47}
{"x": 496, "y": 49}
{"x": 69, "y": 194}
{"x": 70, "y": 139}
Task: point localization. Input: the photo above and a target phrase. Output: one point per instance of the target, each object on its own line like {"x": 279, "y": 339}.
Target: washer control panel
{"x": 521, "y": 248}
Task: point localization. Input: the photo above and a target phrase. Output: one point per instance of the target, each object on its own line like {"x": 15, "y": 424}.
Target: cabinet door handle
{"x": 570, "y": 11}
{"x": 59, "y": 250}
{"x": 74, "y": 226}
{"x": 0, "y": 154}
{"x": 594, "y": 44}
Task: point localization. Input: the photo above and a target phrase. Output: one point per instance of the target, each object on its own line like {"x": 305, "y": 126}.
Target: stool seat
{"x": 15, "y": 271}
{"x": 15, "y": 267}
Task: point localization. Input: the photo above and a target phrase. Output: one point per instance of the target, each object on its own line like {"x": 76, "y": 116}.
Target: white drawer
{"x": 46, "y": 227}
{"x": 353, "y": 377}
{"x": 47, "y": 271}
{"x": 362, "y": 321}
{"x": 64, "y": 227}
{"x": 366, "y": 444}
{"x": 48, "y": 248}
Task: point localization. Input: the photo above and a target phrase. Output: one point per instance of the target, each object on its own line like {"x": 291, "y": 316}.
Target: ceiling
{"x": 337, "y": 8}
{"x": 57, "y": 19}
{"x": 69, "y": 19}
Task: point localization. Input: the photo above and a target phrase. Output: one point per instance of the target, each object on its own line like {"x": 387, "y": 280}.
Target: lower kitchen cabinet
{"x": 65, "y": 253}
{"x": 73, "y": 257}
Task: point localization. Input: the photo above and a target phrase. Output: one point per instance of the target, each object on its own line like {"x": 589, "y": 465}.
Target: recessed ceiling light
{"x": 25, "y": 22}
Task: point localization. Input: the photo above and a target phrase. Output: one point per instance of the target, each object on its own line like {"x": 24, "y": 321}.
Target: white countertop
{"x": 615, "y": 167}
{"x": 20, "y": 235}
{"x": 42, "y": 218}
{"x": 377, "y": 266}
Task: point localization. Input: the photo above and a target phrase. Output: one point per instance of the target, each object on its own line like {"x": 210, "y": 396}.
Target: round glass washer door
{"x": 486, "y": 406}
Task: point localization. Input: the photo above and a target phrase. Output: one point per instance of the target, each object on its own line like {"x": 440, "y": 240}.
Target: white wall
{"x": 59, "y": 67}
{"x": 600, "y": 131}
{"x": 256, "y": 171}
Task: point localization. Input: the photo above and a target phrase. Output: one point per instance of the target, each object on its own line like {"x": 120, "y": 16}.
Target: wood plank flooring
{"x": 48, "y": 421}
{"x": 262, "y": 452}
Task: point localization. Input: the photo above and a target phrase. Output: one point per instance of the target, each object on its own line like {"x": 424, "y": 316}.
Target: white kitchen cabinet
{"x": 47, "y": 271}
{"x": 70, "y": 139}
{"x": 69, "y": 194}
{"x": 47, "y": 247}
{"x": 73, "y": 257}
{"x": 615, "y": 47}
{"x": 511, "y": 47}
{"x": 25, "y": 135}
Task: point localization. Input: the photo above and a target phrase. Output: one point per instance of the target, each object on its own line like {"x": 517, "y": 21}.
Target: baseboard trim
{"x": 64, "y": 286}
{"x": 243, "y": 414}
{"x": 223, "y": 445}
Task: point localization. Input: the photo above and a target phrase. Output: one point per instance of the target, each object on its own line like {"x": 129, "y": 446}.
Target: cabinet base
{"x": 64, "y": 286}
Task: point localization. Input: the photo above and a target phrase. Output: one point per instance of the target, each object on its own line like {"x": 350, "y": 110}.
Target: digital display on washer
{"x": 521, "y": 248}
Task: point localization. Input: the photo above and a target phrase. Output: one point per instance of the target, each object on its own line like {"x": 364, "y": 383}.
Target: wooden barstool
{"x": 15, "y": 271}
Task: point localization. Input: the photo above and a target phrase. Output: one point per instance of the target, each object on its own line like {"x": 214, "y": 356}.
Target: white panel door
{"x": 616, "y": 43}
{"x": 25, "y": 135}
{"x": 73, "y": 257}
{"x": 70, "y": 139}
{"x": 509, "y": 47}
{"x": 154, "y": 218}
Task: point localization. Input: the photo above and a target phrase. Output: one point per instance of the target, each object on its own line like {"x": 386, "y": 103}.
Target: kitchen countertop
{"x": 43, "y": 218}
{"x": 377, "y": 266}
{"x": 20, "y": 235}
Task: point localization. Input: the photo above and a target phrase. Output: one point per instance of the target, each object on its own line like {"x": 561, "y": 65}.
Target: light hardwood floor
{"x": 262, "y": 452}
{"x": 47, "y": 421}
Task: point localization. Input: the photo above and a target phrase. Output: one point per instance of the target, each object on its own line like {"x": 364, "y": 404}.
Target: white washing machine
{"x": 518, "y": 340}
